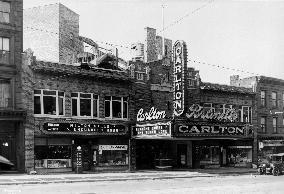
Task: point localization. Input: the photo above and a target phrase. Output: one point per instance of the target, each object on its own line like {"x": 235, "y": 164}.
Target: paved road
{"x": 254, "y": 184}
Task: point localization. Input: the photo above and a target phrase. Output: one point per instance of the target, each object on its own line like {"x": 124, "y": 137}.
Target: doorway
{"x": 182, "y": 155}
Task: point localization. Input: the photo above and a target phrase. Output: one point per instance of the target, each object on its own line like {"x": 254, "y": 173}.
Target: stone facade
{"x": 55, "y": 29}
{"x": 12, "y": 114}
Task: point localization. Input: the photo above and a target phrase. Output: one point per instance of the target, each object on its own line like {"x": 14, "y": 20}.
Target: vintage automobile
{"x": 274, "y": 165}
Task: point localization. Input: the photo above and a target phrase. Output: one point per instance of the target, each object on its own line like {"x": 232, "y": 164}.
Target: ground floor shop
{"x": 103, "y": 147}
{"x": 269, "y": 146}
{"x": 12, "y": 145}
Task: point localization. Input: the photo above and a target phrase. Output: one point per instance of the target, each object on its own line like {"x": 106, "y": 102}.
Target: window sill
{"x": 49, "y": 116}
{"x": 121, "y": 119}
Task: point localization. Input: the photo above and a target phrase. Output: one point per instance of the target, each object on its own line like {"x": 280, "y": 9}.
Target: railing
{"x": 4, "y": 57}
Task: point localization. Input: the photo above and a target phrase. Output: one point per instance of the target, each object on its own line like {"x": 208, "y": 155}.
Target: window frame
{"x": 3, "y": 12}
{"x": 249, "y": 114}
{"x": 5, "y": 51}
{"x": 10, "y": 93}
{"x": 274, "y": 124}
{"x": 274, "y": 101}
{"x": 41, "y": 95}
{"x": 263, "y": 126}
{"x": 263, "y": 98}
{"x": 140, "y": 76}
{"x": 122, "y": 101}
{"x": 78, "y": 104}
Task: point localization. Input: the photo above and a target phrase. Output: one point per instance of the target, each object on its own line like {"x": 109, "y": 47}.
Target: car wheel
{"x": 275, "y": 172}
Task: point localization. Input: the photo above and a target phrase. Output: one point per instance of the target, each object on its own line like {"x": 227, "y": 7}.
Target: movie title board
{"x": 84, "y": 128}
{"x": 163, "y": 129}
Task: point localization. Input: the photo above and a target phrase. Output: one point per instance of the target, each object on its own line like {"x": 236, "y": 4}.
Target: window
{"x": 49, "y": 102}
{"x": 191, "y": 82}
{"x": 274, "y": 99}
{"x": 140, "y": 76}
{"x": 246, "y": 114}
{"x": 4, "y": 50}
{"x": 274, "y": 123}
{"x": 263, "y": 98}
{"x": 85, "y": 104}
{"x": 4, "y": 12}
{"x": 263, "y": 124}
{"x": 5, "y": 94}
{"x": 116, "y": 107}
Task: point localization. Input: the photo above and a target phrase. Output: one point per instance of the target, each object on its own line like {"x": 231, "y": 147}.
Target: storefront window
{"x": 53, "y": 156}
{"x": 239, "y": 156}
{"x": 209, "y": 155}
{"x": 5, "y": 94}
{"x": 113, "y": 155}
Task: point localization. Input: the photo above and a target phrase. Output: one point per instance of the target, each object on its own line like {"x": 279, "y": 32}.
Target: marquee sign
{"x": 179, "y": 68}
{"x": 197, "y": 111}
{"x": 153, "y": 114}
{"x": 147, "y": 130}
{"x": 207, "y": 129}
{"x": 113, "y": 147}
{"x": 83, "y": 128}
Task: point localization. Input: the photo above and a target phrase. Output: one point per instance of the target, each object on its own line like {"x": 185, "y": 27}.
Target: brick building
{"x": 190, "y": 125}
{"x": 12, "y": 116}
{"x": 53, "y": 29}
{"x": 75, "y": 106}
{"x": 270, "y": 107}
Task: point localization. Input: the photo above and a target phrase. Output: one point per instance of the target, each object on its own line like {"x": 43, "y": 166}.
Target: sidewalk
{"x": 9, "y": 179}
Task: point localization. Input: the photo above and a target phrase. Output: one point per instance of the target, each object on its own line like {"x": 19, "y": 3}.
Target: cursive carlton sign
{"x": 196, "y": 111}
{"x": 179, "y": 67}
{"x": 195, "y": 129}
{"x": 153, "y": 114}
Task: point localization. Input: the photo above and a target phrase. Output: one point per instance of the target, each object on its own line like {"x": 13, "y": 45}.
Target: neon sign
{"x": 197, "y": 111}
{"x": 153, "y": 114}
{"x": 179, "y": 67}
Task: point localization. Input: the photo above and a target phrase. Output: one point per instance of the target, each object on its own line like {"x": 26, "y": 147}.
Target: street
{"x": 221, "y": 184}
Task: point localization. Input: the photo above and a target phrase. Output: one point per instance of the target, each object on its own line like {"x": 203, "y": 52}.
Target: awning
{"x": 4, "y": 160}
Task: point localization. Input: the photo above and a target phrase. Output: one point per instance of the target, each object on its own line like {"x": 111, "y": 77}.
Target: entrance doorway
{"x": 181, "y": 155}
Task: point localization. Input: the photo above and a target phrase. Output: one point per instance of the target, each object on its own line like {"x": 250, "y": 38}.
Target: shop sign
{"x": 153, "y": 114}
{"x": 113, "y": 147}
{"x": 213, "y": 130}
{"x": 158, "y": 129}
{"x": 196, "y": 111}
{"x": 272, "y": 143}
{"x": 90, "y": 128}
{"x": 179, "y": 68}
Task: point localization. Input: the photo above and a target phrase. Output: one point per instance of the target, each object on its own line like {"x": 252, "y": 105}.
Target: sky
{"x": 224, "y": 37}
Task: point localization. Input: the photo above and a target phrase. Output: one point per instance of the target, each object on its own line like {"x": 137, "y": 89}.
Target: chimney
{"x": 234, "y": 80}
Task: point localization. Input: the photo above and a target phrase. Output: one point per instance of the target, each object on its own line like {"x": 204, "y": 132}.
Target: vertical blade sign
{"x": 179, "y": 67}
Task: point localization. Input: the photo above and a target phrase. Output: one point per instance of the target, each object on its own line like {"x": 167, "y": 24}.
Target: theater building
{"x": 208, "y": 125}
{"x": 75, "y": 106}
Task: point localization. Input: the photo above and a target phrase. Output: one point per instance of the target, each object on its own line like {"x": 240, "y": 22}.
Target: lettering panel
{"x": 85, "y": 128}
{"x": 159, "y": 129}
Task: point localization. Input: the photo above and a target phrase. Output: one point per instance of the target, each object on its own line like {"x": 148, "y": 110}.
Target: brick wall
{"x": 69, "y": 44}
{"x": 41, "y": 31}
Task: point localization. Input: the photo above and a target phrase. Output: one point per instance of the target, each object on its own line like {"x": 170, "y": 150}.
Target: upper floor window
{"x": 116, "y": 107}
{"x": 85, "y": 104}
{"x": 274, "y": 124}
{"x": 49, "y": 102}
{"x": 274, "y": 99}
{"x": 5, "y": 94}
{"x": 140, "y": 76}
{"x": 4, "y": 12}
{"x": 246, "y": 114}
{"x": 263, "y": 98}
{"x": 263, "y": 124}
{"x": 4, "y": 50}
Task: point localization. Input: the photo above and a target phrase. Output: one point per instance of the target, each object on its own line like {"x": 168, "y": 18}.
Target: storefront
{"x": 104, "y": 147}
{"x": 217, "y": 144}
{"x": 268, "y": 146}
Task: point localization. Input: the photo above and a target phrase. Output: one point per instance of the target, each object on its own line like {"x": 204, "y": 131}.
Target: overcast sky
{"x": 238, "y": 35}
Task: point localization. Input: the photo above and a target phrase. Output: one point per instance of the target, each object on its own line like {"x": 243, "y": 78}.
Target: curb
{"x": 42, "y": 181}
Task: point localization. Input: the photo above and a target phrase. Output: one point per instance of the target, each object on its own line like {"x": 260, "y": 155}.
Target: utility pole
{"x": 163, "y": 30}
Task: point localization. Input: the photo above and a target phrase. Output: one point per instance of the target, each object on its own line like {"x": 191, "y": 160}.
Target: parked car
{"x": 274, "y": 165}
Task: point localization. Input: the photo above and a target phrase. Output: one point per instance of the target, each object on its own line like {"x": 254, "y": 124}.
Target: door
{"x": 181, "y": 155}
